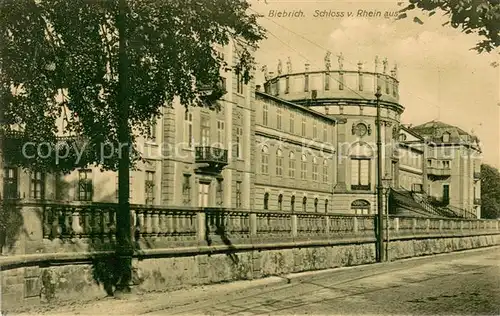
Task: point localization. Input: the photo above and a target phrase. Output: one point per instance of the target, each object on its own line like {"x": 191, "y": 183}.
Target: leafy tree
{"x": 471, "y": 16}
{"x": 109, "y": 66}
{"x": 490, "y": 192}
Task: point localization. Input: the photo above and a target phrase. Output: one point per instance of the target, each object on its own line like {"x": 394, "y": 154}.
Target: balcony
{"x": 211, "y": 159}
{"x": 438, "y": 172}
{"x": 477, "y": 201}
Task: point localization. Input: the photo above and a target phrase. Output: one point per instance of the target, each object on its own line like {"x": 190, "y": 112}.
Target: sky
{"x": 441, "y": 78}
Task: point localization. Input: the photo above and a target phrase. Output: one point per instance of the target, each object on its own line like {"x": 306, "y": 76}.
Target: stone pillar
{"x": 342, "y": 153}
{"x": 201, "y": 229}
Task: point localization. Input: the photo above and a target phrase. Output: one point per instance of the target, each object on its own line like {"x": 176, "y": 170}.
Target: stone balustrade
{"x": 163, "y": 227}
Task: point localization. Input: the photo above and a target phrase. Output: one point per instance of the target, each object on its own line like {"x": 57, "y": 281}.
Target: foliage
{"x": 471, "y": 16}
{"x": 60, "y": 58}
{"x": 490, "y": 192}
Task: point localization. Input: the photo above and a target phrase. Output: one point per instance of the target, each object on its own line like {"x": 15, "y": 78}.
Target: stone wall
{"x": 163, "y": 271}
{"x": 66, "y": 253}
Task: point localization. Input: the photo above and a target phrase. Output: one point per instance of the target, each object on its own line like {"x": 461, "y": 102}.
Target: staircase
{"x": 420, "y": 203}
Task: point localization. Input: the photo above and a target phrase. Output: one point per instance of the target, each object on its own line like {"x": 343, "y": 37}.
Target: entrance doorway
{"x": 203, "y": 194}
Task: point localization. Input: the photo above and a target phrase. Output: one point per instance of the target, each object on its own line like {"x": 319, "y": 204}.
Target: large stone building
{"x": 305, "y": 142}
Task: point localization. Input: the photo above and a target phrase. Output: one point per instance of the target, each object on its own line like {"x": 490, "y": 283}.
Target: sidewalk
{"x": 136, "y": 304}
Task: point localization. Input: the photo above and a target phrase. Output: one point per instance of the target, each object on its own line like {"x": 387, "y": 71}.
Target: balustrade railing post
{"x": 461, "y": 225}
{"x": 294, "y": 225}
{"x": 396, "y": 224}
{"x": 201, "y": 229}
{"x": 441, "y": 222}
{"x": 427, "y": 225}
{"x": 327, "y": 224}
{"x": 253, "y": 224}
{"x": 414, "y": 225}
{"x": 355, "y": 225}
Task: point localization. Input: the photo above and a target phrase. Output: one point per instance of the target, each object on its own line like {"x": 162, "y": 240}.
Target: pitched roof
{"x": 434, "y": 131}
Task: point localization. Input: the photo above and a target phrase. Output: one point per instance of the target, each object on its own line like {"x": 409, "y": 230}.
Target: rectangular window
{"x": 129, "y": 188}
{"x": 278, "y": 117}
{"x": 219, "y": 192}
{"x": 303, "y": 170}
{"x": 10, "y": 183}
{"x": 85, "y": 187}
{"x": 360, "y": 174}
{"x": 287, "y": 85}
{"x": 306, "y": 83}
{"x": 37, "y": 185}
{"x": 325, "y": 171}
{"x": 186, "y": 189}
{"x": 239, "y": 82}
{"x": 205, "y": 131}
{"x": 315, "y": 172}
{"x": 315, "y": 130}
{"x": 238, "y": 194}
{"x": 239, "y": 146}
{"x": 341, "y": 81}
{"x": 429, "y": 162}
{"x": 279, "y": 166}
{"x": 149, "y": 186}
{"x": 327, "y": 81}
{"x": 446, "y": 164}
{"x": 221, "y": 136}
{"x": 264, "y": 167}
{"x": 291, "y": 168}
{"x": 188, "y": 129}
{"x": 265, "y": 113}
{"x": 360, "y": 83}
{"x": 152, "y": 129}
{"x": 303, "y": 131}
{"x": 387, "y": 87}
{"x": 292, "y": 123}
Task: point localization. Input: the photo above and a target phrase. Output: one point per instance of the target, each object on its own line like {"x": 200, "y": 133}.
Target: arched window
{"x": 279, "y": 162}
{"x": 315, "y": 169}
{"x": 280, "y": 202}
{"x": 360, "y": 207}
{"x": 304, "y": 204}
{"x": 360, "y": 155}
{"x": 292, "y": 203}
{"x": 326, "y": 206}
{"x": 264, "y": 166}
{"x": 291, "y": 165}
{"x": 303, "y": 167}
{"x": 316, "y": 204}
{"x": 266, "y": 201}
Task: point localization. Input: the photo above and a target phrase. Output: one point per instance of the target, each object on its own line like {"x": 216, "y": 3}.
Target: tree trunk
{"x": 123, "y": 230}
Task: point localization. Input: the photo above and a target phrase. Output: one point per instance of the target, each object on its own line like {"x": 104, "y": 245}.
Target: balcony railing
{"x": 440, "y": 172}
{"x": 211, "y": 155}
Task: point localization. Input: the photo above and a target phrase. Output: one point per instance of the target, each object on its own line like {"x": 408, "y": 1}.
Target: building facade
{"x": 306, "y": 142}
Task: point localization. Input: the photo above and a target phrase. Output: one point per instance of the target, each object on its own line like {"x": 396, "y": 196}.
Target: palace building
{"x": 303, "y": 141}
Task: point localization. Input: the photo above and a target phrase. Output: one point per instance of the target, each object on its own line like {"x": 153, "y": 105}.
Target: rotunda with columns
{"x": 348, "y": 95}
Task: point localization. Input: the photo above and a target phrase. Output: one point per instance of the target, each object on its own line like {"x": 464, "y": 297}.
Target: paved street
{"x": 461, "y": 283}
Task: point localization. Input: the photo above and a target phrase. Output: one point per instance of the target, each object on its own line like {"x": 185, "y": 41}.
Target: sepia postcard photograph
{"x": 249, "y": 157}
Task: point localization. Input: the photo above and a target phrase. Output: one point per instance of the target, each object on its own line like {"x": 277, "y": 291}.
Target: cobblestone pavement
{"x": 464, "y": 283}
